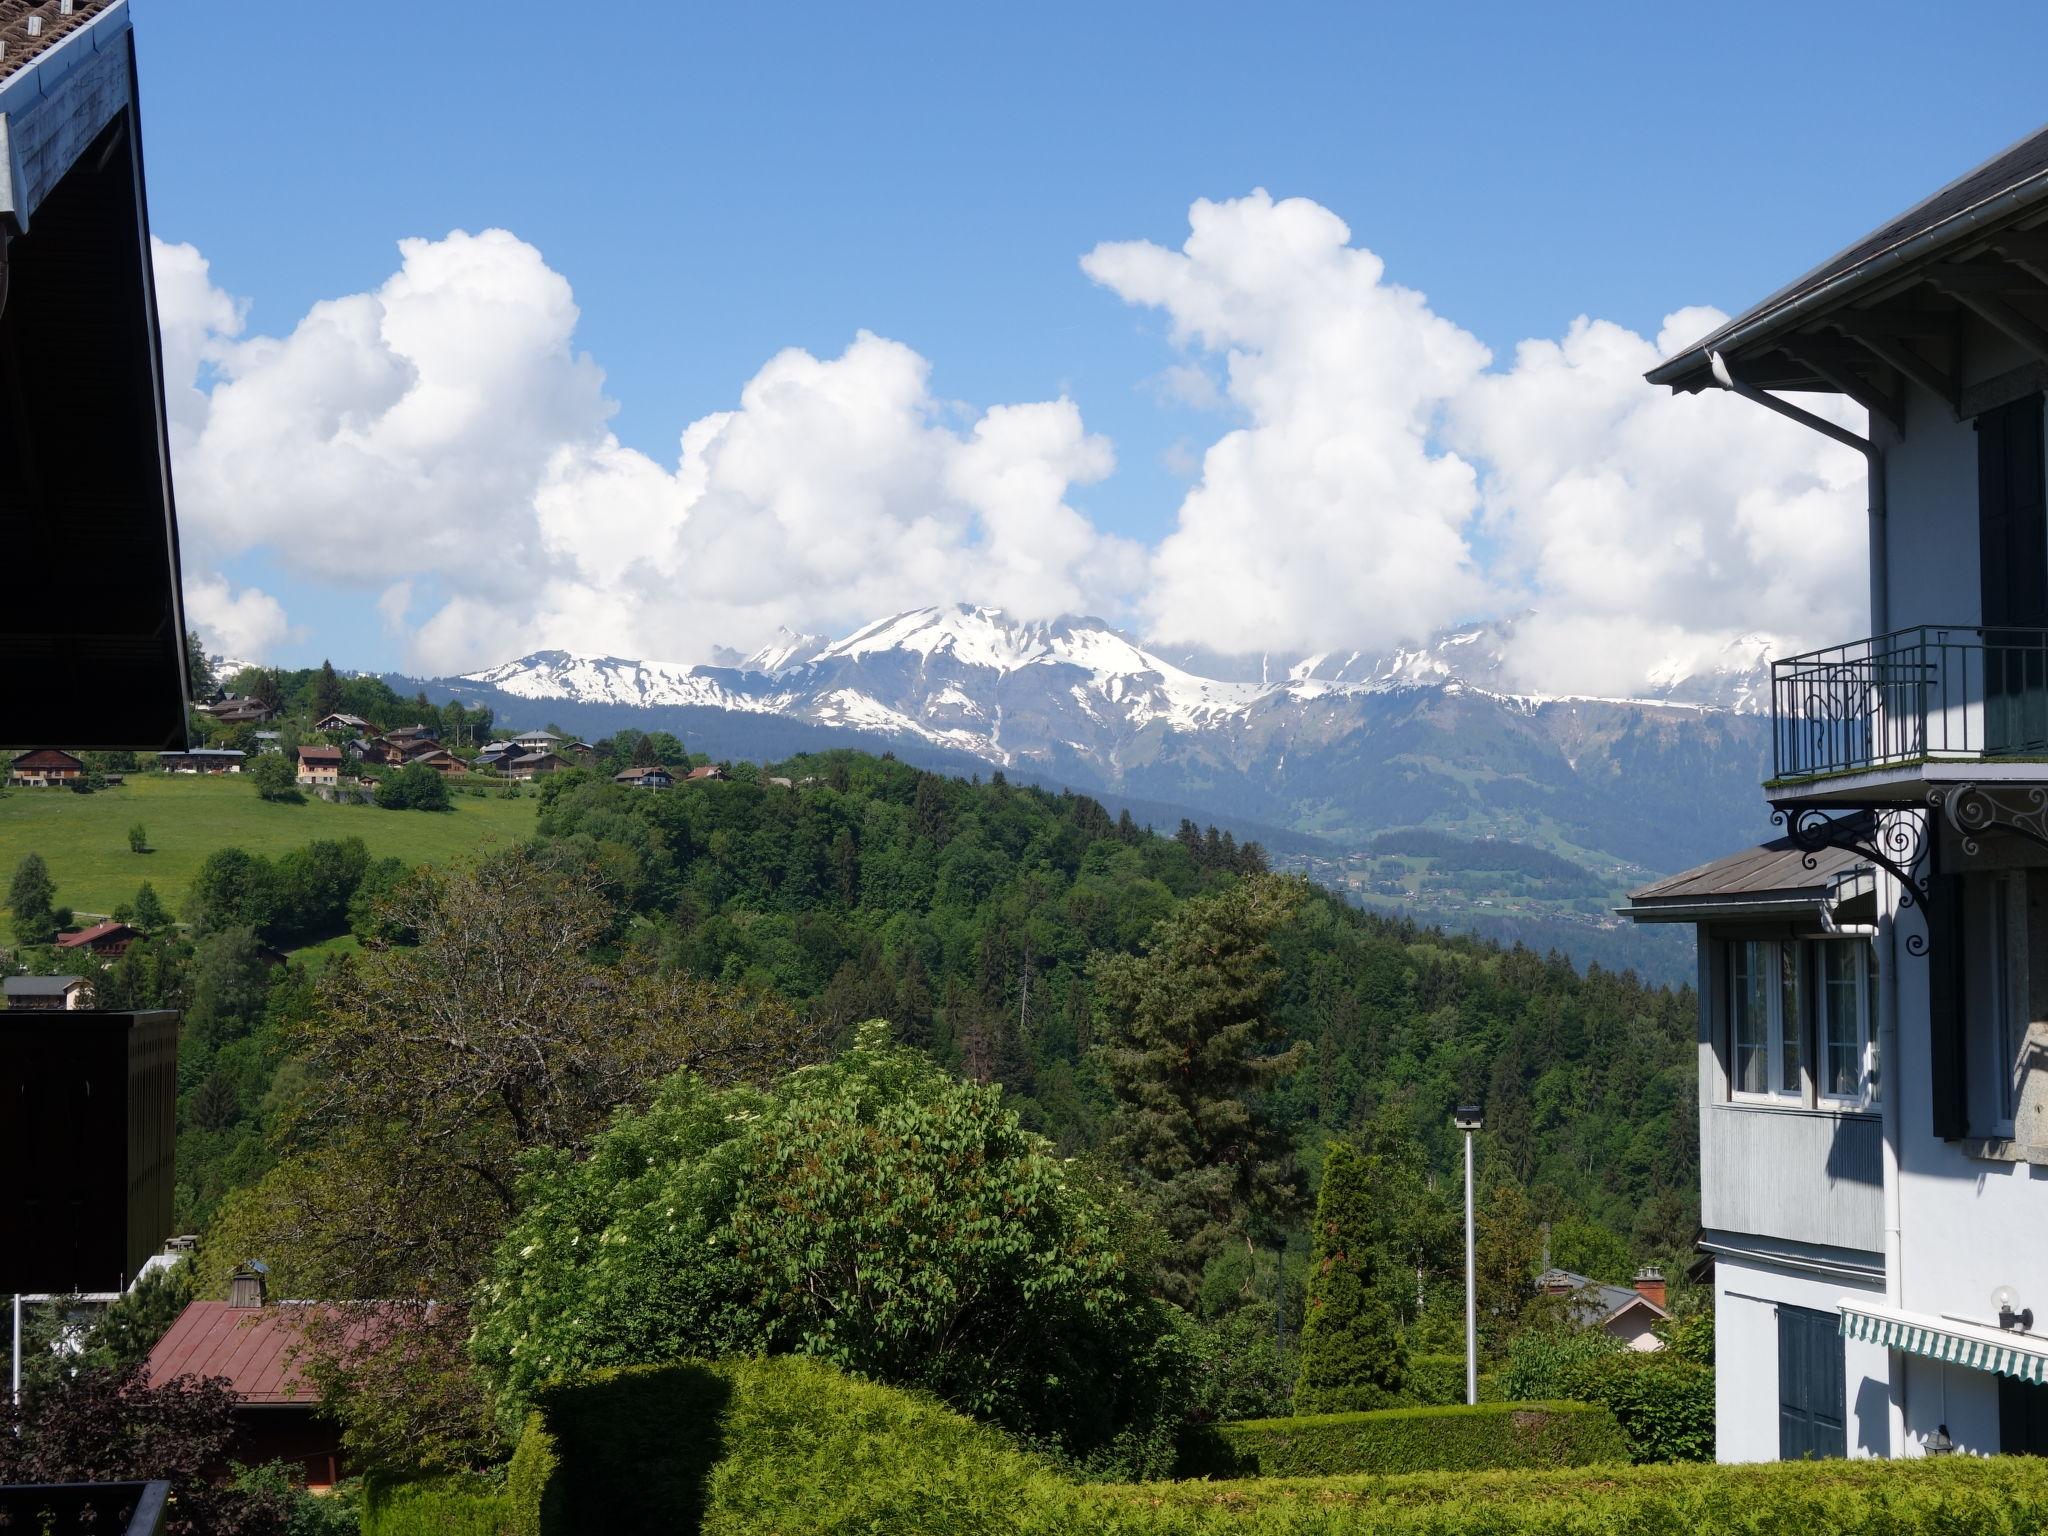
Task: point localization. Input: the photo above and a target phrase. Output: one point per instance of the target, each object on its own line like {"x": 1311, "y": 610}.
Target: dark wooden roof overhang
{"x": 1893, "y": 308}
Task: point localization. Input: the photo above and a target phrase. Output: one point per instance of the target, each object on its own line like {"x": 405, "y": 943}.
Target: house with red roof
{"x": 257, "y": 1346}
{"x": 108, "y": 939}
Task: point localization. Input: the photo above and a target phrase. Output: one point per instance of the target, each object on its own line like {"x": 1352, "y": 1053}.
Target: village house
{"x": 201, "y": 760}
{"x": 108, "y": 940}
{"x": 237, "y": 711}
{"x": 340, "y": 724}
{"x": 1627, "y": 1313}
{"x": 45, "y": 768}
{"x": 320, "y": 766}
{"x": 709, "y": 772}
{"x": 529, "y": 765}
{"x": 66, "y": 993}
{"x": 1873, "y": 986}
{"x": 254, "y": 1344}
{"x": 653, "y": 777}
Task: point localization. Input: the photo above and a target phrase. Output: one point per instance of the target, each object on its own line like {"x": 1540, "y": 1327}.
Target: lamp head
{"x": 1719, "y": 365}
{"x": 1466, "y": 1117}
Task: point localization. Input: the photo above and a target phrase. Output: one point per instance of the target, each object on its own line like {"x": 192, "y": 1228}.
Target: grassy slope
{"x": 84, "y": 838}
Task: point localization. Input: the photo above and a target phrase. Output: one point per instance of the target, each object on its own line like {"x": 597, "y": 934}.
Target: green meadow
{"x": 84, "y": 838}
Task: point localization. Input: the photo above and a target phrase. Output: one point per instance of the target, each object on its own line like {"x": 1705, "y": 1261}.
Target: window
{"x": 1793, "y": 1000}
{"x": 1847, "y": 1002}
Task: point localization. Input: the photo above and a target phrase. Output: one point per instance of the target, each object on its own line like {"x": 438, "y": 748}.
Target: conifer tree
{"x": 29, "y": 897}
{"x": 326, "y": 691}
{"x": 1352, "y": 1357}
{"x": 1188, "y": 1048}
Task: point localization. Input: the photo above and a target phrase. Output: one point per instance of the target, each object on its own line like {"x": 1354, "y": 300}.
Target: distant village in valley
{"x": 341, "y": 737}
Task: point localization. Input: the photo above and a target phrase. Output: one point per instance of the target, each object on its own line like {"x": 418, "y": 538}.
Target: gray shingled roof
{"x": 1772, "y": 876}
{"x": 1591, "y": 1303}
{"x": 2010, "y": 186}
{"x": 40, "y": 986}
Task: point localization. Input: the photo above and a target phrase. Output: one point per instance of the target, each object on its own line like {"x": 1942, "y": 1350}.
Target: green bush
{"x": 783, "y": 1445}
{"x": 1663, "y": 1401}
{"x": 447, "y": 1508}
{"x": 790, "y": 1447}
{"x": 1438, "y": 1381}
{"x": 1956, "y": 1496}
{"x": 1487, "y": 1437}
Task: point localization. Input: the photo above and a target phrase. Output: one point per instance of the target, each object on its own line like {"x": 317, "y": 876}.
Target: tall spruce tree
{"x": 1188, "y": 1048}
{"x": 1352, "y": 1356}
{"x": 29, "y": 897}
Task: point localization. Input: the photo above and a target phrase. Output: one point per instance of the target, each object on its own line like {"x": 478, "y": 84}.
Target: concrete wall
{"x": 1746, "y": 1301}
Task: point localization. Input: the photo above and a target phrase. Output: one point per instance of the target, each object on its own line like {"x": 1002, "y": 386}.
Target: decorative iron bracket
{"x": 1974, "y": 811}
{"x": 1897, "y": 840}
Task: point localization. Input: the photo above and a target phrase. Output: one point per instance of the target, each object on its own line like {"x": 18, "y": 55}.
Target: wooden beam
{"x": 2028, "y": 333}
{"x": 1926, "y": 324}
{"x": 1837, "y": 363}
{"x": 1957, "y": 279}
{"x": 1908, "y": 362}
{"x": 2023, "y": 245}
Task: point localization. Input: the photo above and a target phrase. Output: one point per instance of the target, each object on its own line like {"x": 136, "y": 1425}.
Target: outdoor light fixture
{"x": 1719, "y": 365}
{"x": 2012, "y": 1317}
{"x": 1938, "y": 1443}
{"x": 1466, "y": 1117}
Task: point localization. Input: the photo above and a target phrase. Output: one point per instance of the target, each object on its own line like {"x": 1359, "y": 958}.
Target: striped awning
{"x": 1940, "y": 1338}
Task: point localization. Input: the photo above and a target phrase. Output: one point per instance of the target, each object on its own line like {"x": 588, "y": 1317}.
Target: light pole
{"x": 1467, "y": 1118}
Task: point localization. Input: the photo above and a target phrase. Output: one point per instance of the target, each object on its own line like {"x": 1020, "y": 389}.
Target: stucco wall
{"x": 1931, "y": 483}
{"x": 1746, "y": 1299}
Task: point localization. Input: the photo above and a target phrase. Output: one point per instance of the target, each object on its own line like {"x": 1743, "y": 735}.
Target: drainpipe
{"x": 1887, "y": 933}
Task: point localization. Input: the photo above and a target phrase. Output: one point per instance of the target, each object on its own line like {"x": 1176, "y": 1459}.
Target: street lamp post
{"x": 1468, "y": 1119}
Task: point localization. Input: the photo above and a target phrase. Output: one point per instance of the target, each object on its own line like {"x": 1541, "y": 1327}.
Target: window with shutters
{"x": 2004, "y": 989}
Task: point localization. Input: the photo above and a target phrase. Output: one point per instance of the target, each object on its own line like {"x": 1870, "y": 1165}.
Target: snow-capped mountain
{"x": 1335, "y": 743}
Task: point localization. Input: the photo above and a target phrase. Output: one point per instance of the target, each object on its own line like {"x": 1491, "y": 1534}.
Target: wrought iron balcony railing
{"x": 1912, "y": 696}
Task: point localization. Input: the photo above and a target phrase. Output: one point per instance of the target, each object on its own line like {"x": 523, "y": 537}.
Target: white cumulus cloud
{"x": 440, "y": 446}
{"x": 443, "y": 430}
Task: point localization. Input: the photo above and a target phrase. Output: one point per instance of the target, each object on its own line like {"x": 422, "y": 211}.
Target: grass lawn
{"x": 84, "y": 838}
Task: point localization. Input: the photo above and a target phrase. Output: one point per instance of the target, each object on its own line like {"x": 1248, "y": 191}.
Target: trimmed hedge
{"x": 792, "y": 1448}
{"x": 1487, "y": 1437}
{"x": 1941, "y": 1496}
{"x": 435, "y": 1509}
{"x": 1438, "y": 1381}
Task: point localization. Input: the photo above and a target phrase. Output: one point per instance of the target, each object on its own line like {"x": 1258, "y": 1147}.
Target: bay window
{"x": 1799, "y": 1020}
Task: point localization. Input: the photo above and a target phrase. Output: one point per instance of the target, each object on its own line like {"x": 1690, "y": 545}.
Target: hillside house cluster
{"x": 1873, "y": 985}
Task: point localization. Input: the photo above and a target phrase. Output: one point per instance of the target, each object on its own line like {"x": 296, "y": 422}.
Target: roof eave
{"x": 1691, "y": 370}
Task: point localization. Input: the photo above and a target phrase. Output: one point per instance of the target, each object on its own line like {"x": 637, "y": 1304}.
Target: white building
{"x": 1874, "y": 986}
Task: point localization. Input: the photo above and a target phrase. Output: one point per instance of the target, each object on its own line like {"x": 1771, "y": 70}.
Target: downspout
{"x": 1887, "y": 935}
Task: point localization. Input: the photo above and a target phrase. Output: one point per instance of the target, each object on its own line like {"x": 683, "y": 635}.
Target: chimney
{"x": 246, "y": 1289}
{"x": 1650, "y": 1285}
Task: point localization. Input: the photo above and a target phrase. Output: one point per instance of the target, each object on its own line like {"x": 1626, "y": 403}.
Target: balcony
{"x": 1879, "y": 721}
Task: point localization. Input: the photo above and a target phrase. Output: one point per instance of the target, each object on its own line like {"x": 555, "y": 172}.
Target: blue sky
{"x": 718, "y": 183}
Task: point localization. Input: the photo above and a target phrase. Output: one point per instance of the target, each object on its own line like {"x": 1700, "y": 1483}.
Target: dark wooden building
{"x": 87, "y": 1109}
{"x": 84, "y": 459}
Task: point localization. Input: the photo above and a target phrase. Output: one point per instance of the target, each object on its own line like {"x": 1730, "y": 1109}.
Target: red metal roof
{"x": 96, "y": 932}
{"x": 251, "y": 1346}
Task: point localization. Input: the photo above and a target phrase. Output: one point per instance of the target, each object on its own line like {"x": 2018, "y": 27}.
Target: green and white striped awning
{"x": 1939, "y": 1338}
